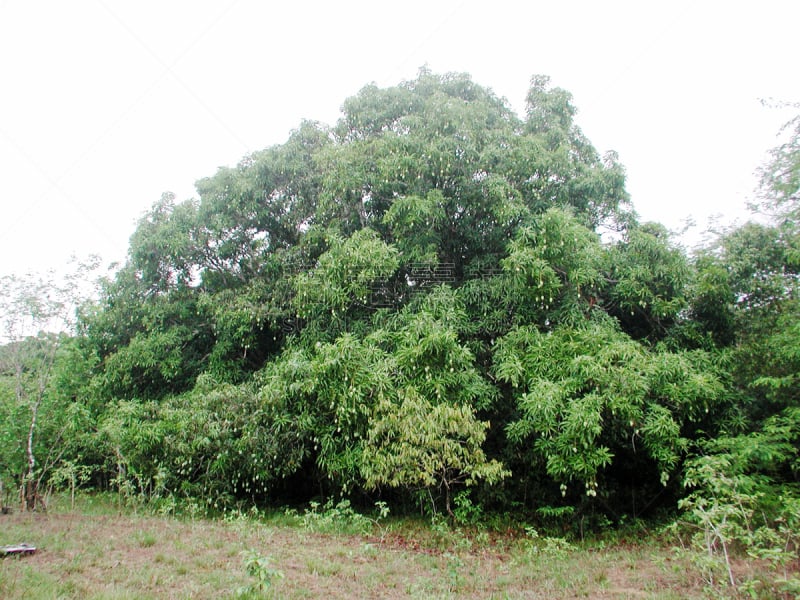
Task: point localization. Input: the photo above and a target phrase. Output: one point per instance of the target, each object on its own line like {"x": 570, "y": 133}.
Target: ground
{"x": 102, "y": 552}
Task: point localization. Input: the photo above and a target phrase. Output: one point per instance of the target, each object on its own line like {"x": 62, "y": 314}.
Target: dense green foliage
{"x": 434, "y": 296}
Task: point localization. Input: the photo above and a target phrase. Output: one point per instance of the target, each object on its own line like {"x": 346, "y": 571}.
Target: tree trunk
{"x": 447, "y": 497}
{"x": 31, "y": 483}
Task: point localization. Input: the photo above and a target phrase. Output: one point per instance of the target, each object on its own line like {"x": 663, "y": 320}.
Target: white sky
{"x": 106, "y": 104}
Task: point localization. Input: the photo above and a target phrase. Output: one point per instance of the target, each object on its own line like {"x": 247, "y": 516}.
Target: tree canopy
{"x": 435, "y": 294}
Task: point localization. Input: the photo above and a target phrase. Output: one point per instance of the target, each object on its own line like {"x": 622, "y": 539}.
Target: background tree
{"x": 422, "y": 296}
{"x": 743, "y": 485}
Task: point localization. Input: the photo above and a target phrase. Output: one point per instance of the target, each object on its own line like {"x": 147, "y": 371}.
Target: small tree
{"x": 35, "y": 314}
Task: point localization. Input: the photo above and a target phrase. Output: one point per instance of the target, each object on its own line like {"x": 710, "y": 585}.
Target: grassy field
{"x": 98, "y": 551}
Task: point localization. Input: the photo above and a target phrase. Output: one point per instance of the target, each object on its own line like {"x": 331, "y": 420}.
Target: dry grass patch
{"x": 83, "y": 554}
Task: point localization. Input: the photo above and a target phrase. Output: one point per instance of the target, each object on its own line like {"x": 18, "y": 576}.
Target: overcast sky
{"x": 106, "y": 104}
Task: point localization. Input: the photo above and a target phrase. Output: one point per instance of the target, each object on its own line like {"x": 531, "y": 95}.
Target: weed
{"x": 729, "y": 511}
{"x": 369, "y": 550}
{"x": 340, "y": 518}
{"x": 166, "y": 506}
{"x": 260, "y": 568}
{"x": 323, "y": 568}
{"x": 551, "y": 547}
{"x": 146, "y": 539}
{"x": 454, "y": 566}
{"x": 444, "y": 536}
{"x": 601, "y": 579}
{"x": 467, "y": 513}
{"x": 556, "y": 518}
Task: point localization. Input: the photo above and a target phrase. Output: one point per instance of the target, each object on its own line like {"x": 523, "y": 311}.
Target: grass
{"x": 97, "y": 551}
